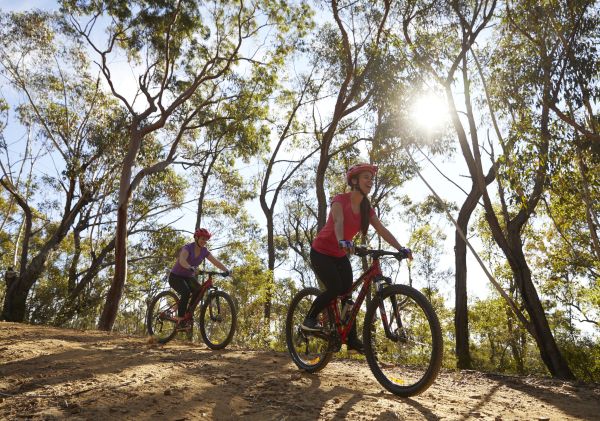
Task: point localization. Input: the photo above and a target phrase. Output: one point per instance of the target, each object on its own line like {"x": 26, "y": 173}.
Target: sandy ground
{"x": 48, "y": 373}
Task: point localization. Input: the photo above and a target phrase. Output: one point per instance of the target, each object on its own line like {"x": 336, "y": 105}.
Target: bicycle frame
{"x": 366, "y": 279}
{"x": 199, "y": 294}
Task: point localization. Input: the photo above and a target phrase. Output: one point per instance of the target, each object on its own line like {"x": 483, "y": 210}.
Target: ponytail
{"x": 365, "y": 210}
{"x": 365, "y": 215}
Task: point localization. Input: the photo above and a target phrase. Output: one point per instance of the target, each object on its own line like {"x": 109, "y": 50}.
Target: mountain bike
{"x": 401, "y": 331}
{"x": 217, "y": 316}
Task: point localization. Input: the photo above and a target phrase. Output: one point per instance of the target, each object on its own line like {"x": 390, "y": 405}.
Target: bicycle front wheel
{"x": 218, "y": 320}
{"x": 160, "y": 320}
{"x": 309, "y": 351}
{"x": 403, "y": 340}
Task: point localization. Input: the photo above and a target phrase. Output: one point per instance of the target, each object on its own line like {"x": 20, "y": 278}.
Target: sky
{"x": 415, "y": 189}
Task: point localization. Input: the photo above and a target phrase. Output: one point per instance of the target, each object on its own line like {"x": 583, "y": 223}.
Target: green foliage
{"x": 583, "y": 355}
{"x": 498, "y": 343}
{"x": 426, "y": 243}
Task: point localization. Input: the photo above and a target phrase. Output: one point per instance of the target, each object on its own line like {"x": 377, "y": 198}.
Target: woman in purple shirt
{"x": 182, "y": 277}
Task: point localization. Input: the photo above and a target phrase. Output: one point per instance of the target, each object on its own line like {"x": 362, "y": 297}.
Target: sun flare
{"x": 429, "y": 112}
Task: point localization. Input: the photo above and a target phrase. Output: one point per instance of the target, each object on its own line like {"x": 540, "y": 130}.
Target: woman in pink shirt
{"x": 183, "y": 275}
{"x": 350, "y": 213}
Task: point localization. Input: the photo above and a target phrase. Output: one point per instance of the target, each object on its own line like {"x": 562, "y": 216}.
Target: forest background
{"x": 124, "y": 125}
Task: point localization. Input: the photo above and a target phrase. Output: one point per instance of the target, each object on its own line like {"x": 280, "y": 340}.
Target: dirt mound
{"x": 48, "y": 373}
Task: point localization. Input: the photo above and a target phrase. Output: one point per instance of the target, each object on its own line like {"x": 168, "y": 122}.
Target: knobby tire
{"x": 407, "y": 358}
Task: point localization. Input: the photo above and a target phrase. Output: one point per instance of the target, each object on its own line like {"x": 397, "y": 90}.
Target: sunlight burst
{"x": 429, "y": 112}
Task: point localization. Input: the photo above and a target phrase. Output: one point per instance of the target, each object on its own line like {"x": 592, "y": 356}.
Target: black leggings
{"x": 335, "y": 273}
{"x": 185, "y": 286}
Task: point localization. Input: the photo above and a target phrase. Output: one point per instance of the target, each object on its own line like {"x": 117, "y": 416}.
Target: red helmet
{"x": 356, "y": 169}
{"x": 202, "y": 232}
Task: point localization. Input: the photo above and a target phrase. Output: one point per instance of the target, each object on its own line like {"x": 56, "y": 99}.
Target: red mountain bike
{"x": 402, "y": 334}
{"x": 217, "y": 316}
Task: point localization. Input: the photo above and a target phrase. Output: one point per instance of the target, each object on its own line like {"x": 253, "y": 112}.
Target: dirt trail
{"x": 48, "y": 373}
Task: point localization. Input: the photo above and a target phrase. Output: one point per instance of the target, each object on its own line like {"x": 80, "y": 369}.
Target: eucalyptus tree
{"x": 238, "y": 130}
{"x": 291, "y": 131}
{"x": 93, "y": 242}
{"x": 18, "y": 173}
{"x": 565, "y": 255}
{"x": 532, "y": 40}
{"x": 526, "y": 75}
{"x": 179, "y": 50}
{"x": 67, "y": 113}
{"x": 575, "y": 107}
{"x": 348, "y": 54}
{"x": 438, "y": 37}
{"x": 299, "y": 223}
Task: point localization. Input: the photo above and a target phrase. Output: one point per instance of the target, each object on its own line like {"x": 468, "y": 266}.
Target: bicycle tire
{"x": 407, "y": 358}
{"x": 218, "y": 320}
{"x": 317, "y": 352}
{"x": 159, "y": 320}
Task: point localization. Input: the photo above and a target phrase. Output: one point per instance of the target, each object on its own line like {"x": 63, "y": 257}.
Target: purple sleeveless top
{"x": 192, "y": 260}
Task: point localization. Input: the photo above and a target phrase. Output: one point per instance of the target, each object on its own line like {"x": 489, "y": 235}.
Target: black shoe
{"x": 355, "y": 345}
{"x": 184, "y": 324}
{"x": 311, "y": 325}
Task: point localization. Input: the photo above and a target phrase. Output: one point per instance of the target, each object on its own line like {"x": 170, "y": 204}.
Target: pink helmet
{"x": 202, "y": 232}
{"x": 356, "y": 169}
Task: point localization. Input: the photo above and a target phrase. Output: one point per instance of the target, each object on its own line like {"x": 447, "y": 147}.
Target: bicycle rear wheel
{"x": 160, "y": 320}
{"x": 309, "y": 351}
{"x": 218, "y": 320}
{"x": 403, "y": 340}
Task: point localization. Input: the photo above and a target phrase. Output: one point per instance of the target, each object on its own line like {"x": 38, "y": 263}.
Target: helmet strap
{"x": 357, "y": 187}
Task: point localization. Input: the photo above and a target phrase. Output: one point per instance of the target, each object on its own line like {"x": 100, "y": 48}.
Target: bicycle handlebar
{"x": 211, "y": 272}
{"x": 374, "y": 253}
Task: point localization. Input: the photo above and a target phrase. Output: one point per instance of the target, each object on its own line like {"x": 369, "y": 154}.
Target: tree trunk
{"x": 549, "y": 351}
{"x": 271, "y": 264}
{"x": 72, "y": 273}
{"x": 461, "y": 318}
{"x": 109, "y": 313}
{"x": 461, "y": 315}
{"x": 514, "y": 344}
{"x": 320, "y": 190}
{"x": 200, "y": 210}
{"x": 15, "y": 301}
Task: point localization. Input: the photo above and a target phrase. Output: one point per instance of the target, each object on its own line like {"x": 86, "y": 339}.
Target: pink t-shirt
{"x": 325, "y": 241}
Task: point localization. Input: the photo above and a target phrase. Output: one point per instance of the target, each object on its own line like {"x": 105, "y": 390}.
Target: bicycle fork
{"x": 399, "y": 334}
{"x": 214, "y": 305}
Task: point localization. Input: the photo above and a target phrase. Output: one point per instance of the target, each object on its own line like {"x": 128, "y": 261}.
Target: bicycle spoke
{"x": 218, "y": 320}
{"x": 405, "y": 350}
{"x": 310, "y": 351}
{"x": 161, "y": 316}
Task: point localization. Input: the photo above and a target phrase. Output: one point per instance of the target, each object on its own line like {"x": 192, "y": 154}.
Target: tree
{"x": 290, "y": 129}
{"x": 65, "y": 108}
{"x": 523, "y": 178}
{"x": 351, "y": 52}
{"x": 182, "y": 50}
{"x": 439, "y": 36}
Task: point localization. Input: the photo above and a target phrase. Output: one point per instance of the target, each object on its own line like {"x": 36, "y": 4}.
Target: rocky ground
{"x": 49, "y": 373}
